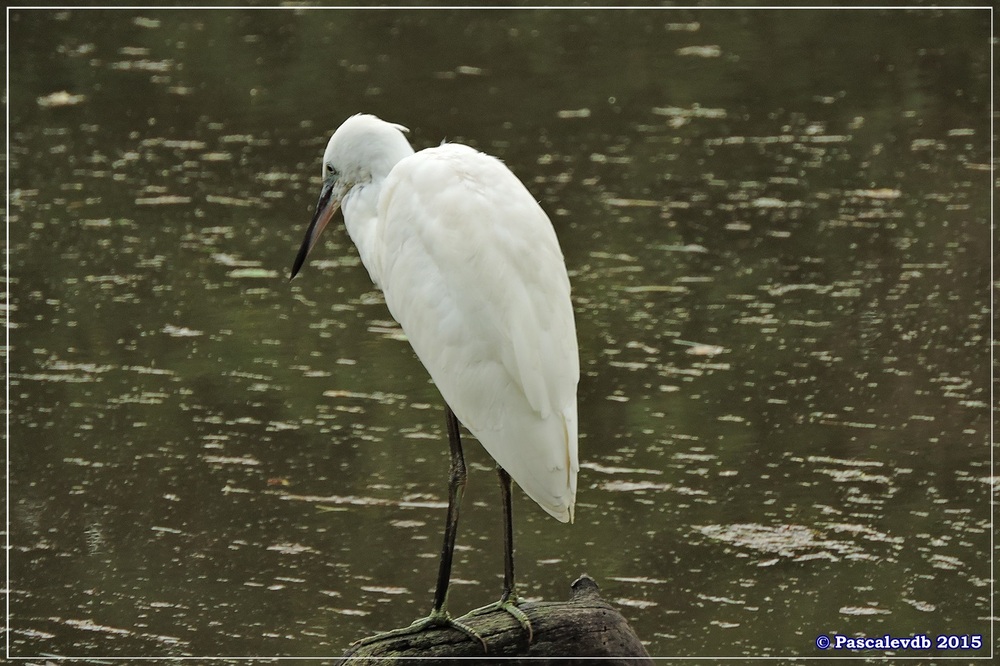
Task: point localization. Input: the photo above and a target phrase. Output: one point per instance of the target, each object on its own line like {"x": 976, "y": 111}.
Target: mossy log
{"x": 584, "y": 626}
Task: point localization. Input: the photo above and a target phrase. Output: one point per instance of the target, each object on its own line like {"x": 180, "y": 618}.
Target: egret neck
{"x": 360, "y": 203}
{"x": 360, "y": 207}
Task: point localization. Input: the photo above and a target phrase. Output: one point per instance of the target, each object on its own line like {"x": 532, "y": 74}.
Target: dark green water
{"x": 777, "y": 225}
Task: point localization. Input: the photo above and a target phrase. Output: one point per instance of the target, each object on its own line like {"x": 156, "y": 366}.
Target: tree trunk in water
{"x": 584, "y": 626}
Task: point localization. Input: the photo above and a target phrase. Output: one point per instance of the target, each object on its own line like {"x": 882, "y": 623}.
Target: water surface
{"x": 777, "y": 228}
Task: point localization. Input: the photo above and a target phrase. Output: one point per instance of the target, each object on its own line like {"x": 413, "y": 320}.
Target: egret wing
{"x": 472, "y": 270}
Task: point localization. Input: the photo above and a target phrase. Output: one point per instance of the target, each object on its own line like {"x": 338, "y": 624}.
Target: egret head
{"x": 363, "y": 150}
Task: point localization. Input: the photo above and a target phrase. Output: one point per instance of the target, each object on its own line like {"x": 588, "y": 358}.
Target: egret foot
{"x": 508, "y": 602}
{"x": 437, "y": 618}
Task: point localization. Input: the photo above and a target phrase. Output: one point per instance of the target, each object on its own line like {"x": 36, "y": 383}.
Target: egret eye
{"x": 328, "y": 171}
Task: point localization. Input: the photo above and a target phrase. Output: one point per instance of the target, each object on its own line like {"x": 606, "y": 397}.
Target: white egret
{"x": 471, "y": 269}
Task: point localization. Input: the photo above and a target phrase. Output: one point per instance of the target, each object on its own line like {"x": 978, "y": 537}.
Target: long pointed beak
{"x": 327, "y": 205}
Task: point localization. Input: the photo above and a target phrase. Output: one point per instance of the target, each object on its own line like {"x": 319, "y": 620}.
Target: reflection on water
{"x": 776, "y": 225}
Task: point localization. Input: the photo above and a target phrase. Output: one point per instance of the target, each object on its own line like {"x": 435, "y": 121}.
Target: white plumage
{"x": 471, "y": 269}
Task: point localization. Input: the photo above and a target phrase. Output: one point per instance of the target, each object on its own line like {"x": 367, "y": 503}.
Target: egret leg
{"x": 456, "y": 489}
{"x": 508, "y": 599}
{"x": 439, "y": 616}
